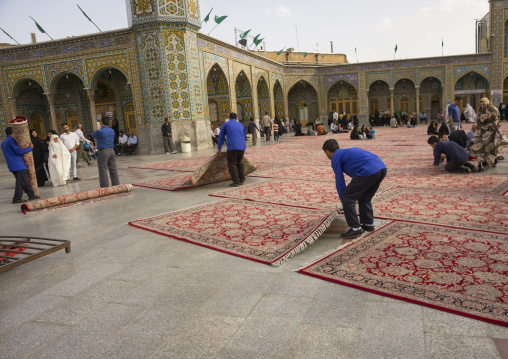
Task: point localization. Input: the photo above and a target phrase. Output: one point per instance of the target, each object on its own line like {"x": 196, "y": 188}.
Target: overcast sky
{"x": 374, "y": 27}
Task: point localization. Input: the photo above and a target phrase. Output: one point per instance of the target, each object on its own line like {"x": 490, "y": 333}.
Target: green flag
{"x": 38, "y": 26}
{"x": 6, "y": 33}
{"x": 219, "y": 19}
{"x": 280, "y": 52}
{"x": 85, "y": 14}
{"x": 257, "y": 42}
{"x": 395, "y": 48}
{"x": 305, "y": 55}
{"x": 243, "y": 34}
{"x": 256, "y": 38}
{"x": 208, "y": 16}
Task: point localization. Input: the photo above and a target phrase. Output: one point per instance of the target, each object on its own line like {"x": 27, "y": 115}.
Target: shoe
{"x": 500, "y": 158}
{"x": 234, "y": 185}
{"x": 77, "y": 179}
{"x": 34, "y": 198}
{"x": 18, "y": 201}
{"x": 368, "y": 227}
{"x": 352, "y": 233}
{"x": 167, "y": 153}
{"x": 242, "y": 181}
{"x": 174, "y": 152}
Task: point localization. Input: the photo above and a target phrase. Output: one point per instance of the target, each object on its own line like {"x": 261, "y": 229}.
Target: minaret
{"x": 170, "y": 70}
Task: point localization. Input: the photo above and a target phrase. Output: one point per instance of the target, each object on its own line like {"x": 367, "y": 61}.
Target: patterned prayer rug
{"x": 479, "y": 182}
{"x": 181, "y": 165}
{"x": 303, "y": 194}
{"x": 457, "y": 270}
{"x": 74, "y": 197}
{"x": 301, "y": 172}
{"x": 448, "y": 208}
{"x": 215, "y": 169}
{"x": 260, "y": 232}
{"x": 80, "y": 203}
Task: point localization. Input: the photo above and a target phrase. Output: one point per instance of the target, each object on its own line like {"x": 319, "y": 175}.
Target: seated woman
{"x": 354, "y": 134}
{"x": 298, "y": 128}
{"x": 444, "y": 129}
{"x": 363, "y": 131}
{"x": 432, "y": 129}
{"x": 334, "y": 128}
{"x": 310, "y": 130}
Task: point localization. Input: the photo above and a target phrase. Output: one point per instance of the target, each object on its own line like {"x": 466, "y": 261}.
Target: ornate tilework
{"x": 232, "y": 92}
{"x": 155, "y": 107}
{"x": 216, "y": 82}
{"x": 195, "y": 80}
{"x": 399, "y": 75}
{"x": 238, "y": 67}
{"x": 472, "y": 81}
{"x": 292, "y": 80}
{"x": 177, "y": 73}
{"x": 243, "y": 86}
{"x": 193, "y": 10}
{"x": 422, "y": 74}
{"x": 136, "y": 86}
{"x": 351, "y": 78}
{"x": 449, "y": 84}
{"x": 94, "y": 64}
{"x": 171, "y": 8}
{"x": 52, "y": 70}
{"x": 262, "y": 88}
{"x": 211, "y": 59}
{"x": 461, "y": 70}
{"x": 142, "y": 8}
{"x": 15, "y": 74}
{"x": 378, "y": 76}
{"x": 362, "y": 93}
{"x": 497, "y": 25}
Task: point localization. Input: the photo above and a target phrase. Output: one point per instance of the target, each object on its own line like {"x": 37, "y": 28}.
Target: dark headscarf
{"x": 444, "y": 128}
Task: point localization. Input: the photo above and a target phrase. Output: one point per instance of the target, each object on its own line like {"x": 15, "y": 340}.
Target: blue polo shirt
{"x": 453, "y": 110}
{"x": 105, "y": 137}
{"x": 235, "y": 134}
{"x": 354, "y": 162}
{"x": 14, "y": 154}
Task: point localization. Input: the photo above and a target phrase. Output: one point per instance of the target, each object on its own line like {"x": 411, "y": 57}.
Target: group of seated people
{"x": 126, "y": 145}
{"x": 363, "y": 133}
{"x": 316, "y": 128}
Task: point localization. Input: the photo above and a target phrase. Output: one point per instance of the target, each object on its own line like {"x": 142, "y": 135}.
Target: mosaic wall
{"x": 290, "y": 81}
{"x": 400, "y": 75}
{"x": 171, "y": 7}
{"x": 246, "y": 108}
{"x": 177, "y": 74}
{"x": 278, "y": 98}
{"x": 404, "y": 86}
{"x": 331, "y": 80}
{"x": 461, "y": 70}
{"x": 31, "y": 101}
{"x": 53, "y": 70}
{"x": 438, "y": 73}
{"x": 211, "y": 59}
{"x": 299, "y": 94}
{"x": 118, "y": 60}
{"x": 152, "y": 77}
{"x": 216, "y": 82}
{"x": 472, "y": 82}
{"x": 232, "y": 92}
{"x": 18, "y": 73}
{"x": 196, "y": 83}
{"x": 339, "y": 90}
{"x": 263, "y": 96}
{"x": 243, "y": 87}
{"x": 497, "y": 22}
{"x": 379, "y": 76}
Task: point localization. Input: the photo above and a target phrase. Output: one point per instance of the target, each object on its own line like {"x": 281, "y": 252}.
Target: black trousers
{"x": 22, "y": 185}
{"x": 361, "y": 190}
{"x": 235, "y": 165}
{"x": 458, "y": 167}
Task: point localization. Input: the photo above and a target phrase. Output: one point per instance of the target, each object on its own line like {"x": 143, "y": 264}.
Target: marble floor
{"x": 127, "y": 293}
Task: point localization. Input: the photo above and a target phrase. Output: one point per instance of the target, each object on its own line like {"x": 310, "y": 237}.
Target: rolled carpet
{"x": 22, "y": 135}
{"x": 74, "y": 197}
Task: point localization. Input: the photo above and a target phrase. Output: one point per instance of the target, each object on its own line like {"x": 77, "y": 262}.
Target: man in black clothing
{"x": 456, "y": 156}
{"x": 459, "y": 137}
{"x": 167, "y": 137}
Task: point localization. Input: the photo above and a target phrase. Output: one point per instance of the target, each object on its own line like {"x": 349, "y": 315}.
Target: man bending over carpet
{"x": 456, "y": 156}
{"x": 367, "y": 171}
{"x": 235, "y": 134}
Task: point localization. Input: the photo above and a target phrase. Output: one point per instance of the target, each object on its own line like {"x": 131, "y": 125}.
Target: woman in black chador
{"x": 38, "y": 152}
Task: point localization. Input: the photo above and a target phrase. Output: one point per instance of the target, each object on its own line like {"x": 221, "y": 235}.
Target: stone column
{"x": 391, "y": 102}
{"x": 417, "y": 100}
{"x": 367, "y": 102}
{"x": 443, "y": 98}
{"x": 51, "y": 101}
{"x": 13, "y": 106}
{"x": 93, "y": 112}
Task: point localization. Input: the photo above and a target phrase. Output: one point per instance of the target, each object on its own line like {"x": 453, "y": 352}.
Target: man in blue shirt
{"x": 235, "y": 141}
{"x": 456, "y": 156}
{"x": 14, "y": 157}
{"x": 367, "y": 171}
{"x": 105, "y": 137}
{"x": 132, "y": 143}
{"x": 454, "y": 115}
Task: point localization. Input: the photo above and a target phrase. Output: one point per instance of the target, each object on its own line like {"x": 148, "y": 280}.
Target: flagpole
{"x": 213, "y": 29}
{"x": 10, "y": 36}
{"x": 88, "y": 18}
{"x": 45, "y": 32}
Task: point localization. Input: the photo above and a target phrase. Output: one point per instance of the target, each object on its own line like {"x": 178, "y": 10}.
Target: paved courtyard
{"x": 127, "y": 293}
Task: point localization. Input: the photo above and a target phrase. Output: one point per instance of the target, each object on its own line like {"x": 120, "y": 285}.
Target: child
{"x": 275, "y": 132}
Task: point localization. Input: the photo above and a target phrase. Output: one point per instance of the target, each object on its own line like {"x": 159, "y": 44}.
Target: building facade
{"x": 162, "y": 66}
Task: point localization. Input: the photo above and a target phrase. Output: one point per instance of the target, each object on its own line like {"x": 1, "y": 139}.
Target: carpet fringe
{"x": 341, "y": 246}
{"x": 310, "y": 239}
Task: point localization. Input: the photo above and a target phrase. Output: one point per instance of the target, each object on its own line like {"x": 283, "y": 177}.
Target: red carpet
{"x": 67, "y": 199}
{"x": 261, "y": 232}
{"x": 452, "y": 208}
{"x": 455, "y": 270}
{"x": 214, "y": 169}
